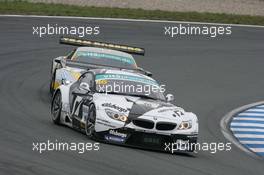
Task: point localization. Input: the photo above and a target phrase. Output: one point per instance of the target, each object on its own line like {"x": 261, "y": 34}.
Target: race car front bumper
{"x": 168, "y": 143}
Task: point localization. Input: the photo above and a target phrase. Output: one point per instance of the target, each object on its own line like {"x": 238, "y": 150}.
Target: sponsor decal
{"x": 101, "y": 82}
{"x": 148, "y": 105}
{"x": 114, "y": 138}
{"x": 177, "y": 112}
{"x": 168, "y": 109}
{"x": 116, "y": 133}
{"x": 114, "y": 106}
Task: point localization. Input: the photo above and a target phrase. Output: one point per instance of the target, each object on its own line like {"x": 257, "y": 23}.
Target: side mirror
{"x": 85, "y": 86}
{"x": 169, "y": 97}
{"x": 65, "y": 82}
{"x": 148, "y": 73}
{"x": 145, "y": 72}
{"x": 57, "y": 61}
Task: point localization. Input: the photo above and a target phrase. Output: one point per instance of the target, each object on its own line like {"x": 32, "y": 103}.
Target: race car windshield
{"x": 104, "y": 59}
{"x": 129, "y": 85}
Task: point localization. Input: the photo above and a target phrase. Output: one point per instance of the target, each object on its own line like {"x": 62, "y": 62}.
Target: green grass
{"x": 22, "y": 7}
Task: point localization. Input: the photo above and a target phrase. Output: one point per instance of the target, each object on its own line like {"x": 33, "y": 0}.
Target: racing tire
{"x": 56, "y": 108}
{"x": 90, "y": 122}
{"x": 52, "y": 82}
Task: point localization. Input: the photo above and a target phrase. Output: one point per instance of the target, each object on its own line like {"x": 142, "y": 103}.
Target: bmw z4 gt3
{"x": 131, "y": 117}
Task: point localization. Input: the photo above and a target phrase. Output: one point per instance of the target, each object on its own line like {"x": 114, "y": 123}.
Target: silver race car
{"x": 90, "y": 55}
{"x": 125, "y": 108}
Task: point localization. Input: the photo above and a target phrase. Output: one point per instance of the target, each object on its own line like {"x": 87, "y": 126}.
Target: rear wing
{"x": 90, "y": 43}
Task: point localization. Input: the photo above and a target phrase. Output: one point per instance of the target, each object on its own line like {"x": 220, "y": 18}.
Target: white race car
{"x": 109, "y": 106}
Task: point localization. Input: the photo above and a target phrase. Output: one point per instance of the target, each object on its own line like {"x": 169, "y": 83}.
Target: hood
{"x": 135, "y": 107}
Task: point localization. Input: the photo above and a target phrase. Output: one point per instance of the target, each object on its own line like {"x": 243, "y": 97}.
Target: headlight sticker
{"x": 116, "y": 115}
{"x": 185, "y": 125}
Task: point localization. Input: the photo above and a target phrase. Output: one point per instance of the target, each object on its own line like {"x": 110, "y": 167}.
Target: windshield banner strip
{"x": 125, "y": 77}
{"x": 107, "y": 56}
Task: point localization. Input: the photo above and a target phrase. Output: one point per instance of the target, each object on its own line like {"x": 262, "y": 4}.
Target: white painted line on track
{"x": 248, "y": 119}
{"x": 255, "y": 110}
{"x": 257, "y": 150}
{"x": 130, "y": 20}
{"x": 249, "y": 136}
{"x": 247, "y": 124}
{"x": 250, "y": 114}
{"x": 247, "y": 129}
{"x": 251, "y": 142}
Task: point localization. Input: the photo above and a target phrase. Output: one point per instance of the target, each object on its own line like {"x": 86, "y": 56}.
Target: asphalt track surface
{"x": 208, "y": 76}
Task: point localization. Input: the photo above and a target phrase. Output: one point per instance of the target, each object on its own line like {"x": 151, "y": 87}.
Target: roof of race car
{"x": 105, "y": 51}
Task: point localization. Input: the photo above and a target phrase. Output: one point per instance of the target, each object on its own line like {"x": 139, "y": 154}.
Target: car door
{"x": 80, "y": 96}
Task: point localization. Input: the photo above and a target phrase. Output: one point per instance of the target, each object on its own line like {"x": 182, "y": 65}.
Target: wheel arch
{"x": 64, "y": 90}
{"x": 53, "y": 97}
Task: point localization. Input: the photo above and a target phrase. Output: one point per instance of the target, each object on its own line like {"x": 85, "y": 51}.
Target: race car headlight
{"x": 115, "y": 115}
{"x": 185, "y": 125}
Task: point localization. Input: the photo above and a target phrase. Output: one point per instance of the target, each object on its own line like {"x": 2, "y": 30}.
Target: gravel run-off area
{"x": 243, "y": 7}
